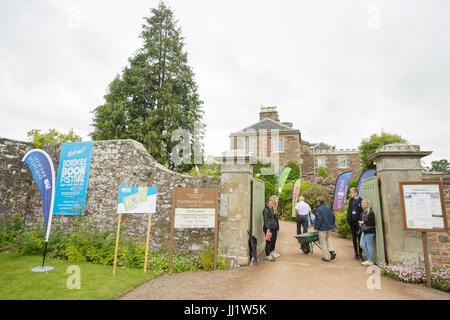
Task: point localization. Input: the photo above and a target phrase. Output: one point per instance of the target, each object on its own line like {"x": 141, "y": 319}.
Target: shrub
{"x": 207, "y": 259}
{"x": 342, "y": 226}
{"x": 319, "y": 187}
{"x": 31, "y": 243}
{"x": 76, "y": 240}
{"x": 9, "y": 230}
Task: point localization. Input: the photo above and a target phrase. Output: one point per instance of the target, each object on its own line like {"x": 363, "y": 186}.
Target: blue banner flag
{"x": 340, "y": 190}
{"x": 73, "y": 178}
{"x": 366, "y": 174}
{"x": 41, "y": 167}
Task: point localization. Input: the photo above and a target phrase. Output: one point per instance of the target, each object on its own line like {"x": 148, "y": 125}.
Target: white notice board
{"x": 423, "y": 206}
{"x": 194, "y": 218}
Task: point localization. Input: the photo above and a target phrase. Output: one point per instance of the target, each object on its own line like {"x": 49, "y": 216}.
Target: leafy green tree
{"x": 323, "y": 172}
{"x": 270, "y": 181}
{"x": 155, "y": 95}
{"x": 52, "y": 136}
{"x": 369, "y": 146}
{"x": 295, "y": 171}
{"x": 440, "y": 166}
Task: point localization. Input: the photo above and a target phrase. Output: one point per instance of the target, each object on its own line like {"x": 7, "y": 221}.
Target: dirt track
{"x": 294, "y": 275}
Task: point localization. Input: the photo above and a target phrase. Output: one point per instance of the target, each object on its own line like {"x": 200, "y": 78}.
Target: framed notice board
{"x": 423, "y": 207}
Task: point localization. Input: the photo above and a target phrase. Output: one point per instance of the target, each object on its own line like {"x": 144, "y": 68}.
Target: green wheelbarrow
{"x": 307, "y": 241}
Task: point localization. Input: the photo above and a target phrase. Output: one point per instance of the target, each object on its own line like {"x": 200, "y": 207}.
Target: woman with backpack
{"x": 367, "y": 224}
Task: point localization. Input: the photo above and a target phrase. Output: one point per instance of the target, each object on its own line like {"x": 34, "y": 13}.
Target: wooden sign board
{"x": 423, "y": 207}
{"x": 194, "y": 208}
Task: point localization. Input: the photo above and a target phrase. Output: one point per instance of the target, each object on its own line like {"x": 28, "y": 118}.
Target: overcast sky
{"x": 338, "y": 70}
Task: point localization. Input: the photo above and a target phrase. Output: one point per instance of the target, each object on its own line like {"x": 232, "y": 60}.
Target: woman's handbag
{"x": 268, "y": 235}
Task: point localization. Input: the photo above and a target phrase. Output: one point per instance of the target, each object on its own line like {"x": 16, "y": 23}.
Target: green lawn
{"x": 96, "y": 281}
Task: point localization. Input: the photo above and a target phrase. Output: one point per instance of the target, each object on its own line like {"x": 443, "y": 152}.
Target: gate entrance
{"x": 258, "y": 203}
{"x": 370, "y": 192}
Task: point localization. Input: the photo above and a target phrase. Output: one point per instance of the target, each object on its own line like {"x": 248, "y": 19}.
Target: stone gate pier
{"x": 235, "y": 214}
{"x": 395, "y": 163}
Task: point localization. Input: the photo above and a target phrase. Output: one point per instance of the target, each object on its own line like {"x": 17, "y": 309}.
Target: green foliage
{"x": 52, "y": 136}
{"x": 155, "y": 95}
{"x": 31, "y": 243}
{"x": 9, "y": 230}
{"x": 207, "y": 169}
{"x": 78, "y": 241}
{"x": 295, "y": 171}
{"x": 270, "y": 183}
{"x": 342, "y": 226}
{"x": 323, "y": 173}
{"x": 207, "y": 259}
{"x": 369, "y": 146}
{"x": 440, "y": 166}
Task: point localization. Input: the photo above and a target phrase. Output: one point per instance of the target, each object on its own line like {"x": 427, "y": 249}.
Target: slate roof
{"x": 268, "y": 124}
{"x": 320, "y": 145}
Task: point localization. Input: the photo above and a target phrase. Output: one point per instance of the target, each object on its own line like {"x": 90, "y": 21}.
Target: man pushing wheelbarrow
{"x": 324, "y": 223}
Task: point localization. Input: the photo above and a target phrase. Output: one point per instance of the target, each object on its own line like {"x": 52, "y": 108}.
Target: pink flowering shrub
{"x": 440, "y": 278}
{"x": 319, "y": 187}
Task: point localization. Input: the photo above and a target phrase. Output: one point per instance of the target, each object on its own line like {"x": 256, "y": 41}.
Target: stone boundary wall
{"x": 114, "y": 163}
{"x": 440, "y": 241}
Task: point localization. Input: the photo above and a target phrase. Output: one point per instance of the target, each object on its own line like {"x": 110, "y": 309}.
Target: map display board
{"x": 137, "y": 200}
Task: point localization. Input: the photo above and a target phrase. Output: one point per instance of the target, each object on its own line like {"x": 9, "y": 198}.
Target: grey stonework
{"x": 114, "y": 163}
{"x": 395, "y": 163}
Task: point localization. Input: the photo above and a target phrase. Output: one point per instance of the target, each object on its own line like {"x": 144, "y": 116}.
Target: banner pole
{"x": 146, "y": 243}
{"x": 45, "y": 253}
{"x": 117, "y": 244}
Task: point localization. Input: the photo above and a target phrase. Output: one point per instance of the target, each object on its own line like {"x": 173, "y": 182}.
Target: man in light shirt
{"x": 303, "y": 210}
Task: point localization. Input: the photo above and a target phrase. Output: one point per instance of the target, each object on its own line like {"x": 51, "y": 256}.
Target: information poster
{"x": 73, "y": 177}
{"x": 137, "y": 200}
{"x": 195, "y": 208}
{"x": 423, "y": 206}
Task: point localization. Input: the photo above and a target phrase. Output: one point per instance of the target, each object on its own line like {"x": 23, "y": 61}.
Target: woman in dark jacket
{"x": 270, "y": 223}
{"x": 367, "y": 224}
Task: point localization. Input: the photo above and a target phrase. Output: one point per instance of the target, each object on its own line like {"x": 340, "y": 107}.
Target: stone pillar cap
{"x": 399, "y": 149}
{"x": 235, "y": 156}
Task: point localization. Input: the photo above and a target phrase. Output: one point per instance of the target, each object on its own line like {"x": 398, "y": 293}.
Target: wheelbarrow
{"x": 307, "y": 241}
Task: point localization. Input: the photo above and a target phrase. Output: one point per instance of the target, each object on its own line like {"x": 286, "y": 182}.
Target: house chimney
{"x": 269, "y": 112}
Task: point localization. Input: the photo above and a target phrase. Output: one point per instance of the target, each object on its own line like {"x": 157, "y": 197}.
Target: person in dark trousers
{"x": 274, "y": 199}
{"x": 303, "y": 211}
{"x": 353, "y": 217}
{"x": 324, "y": 223}
{"x": 271, "y": 224}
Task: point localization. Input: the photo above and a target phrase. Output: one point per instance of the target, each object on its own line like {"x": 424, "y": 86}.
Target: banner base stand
{"x": 42, "y": 269}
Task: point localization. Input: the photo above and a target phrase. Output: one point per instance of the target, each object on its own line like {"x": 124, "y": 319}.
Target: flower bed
{"x": 440, "y": 278}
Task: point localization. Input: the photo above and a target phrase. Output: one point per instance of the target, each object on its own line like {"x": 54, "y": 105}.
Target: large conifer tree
{"x": 155, "y": 95}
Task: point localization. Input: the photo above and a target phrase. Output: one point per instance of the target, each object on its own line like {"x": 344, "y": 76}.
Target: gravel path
{"x": 294, "y": 275}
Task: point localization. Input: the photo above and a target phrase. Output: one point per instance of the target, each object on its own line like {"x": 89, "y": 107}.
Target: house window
{"x": 342, "y": 162}
{"x": 278, "y": 145}
{"x": 249, "y": 145}
{"x": 321, "y": 162}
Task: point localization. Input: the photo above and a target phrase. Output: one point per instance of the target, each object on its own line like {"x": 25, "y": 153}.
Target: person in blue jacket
{"x": 324, "y": 223}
